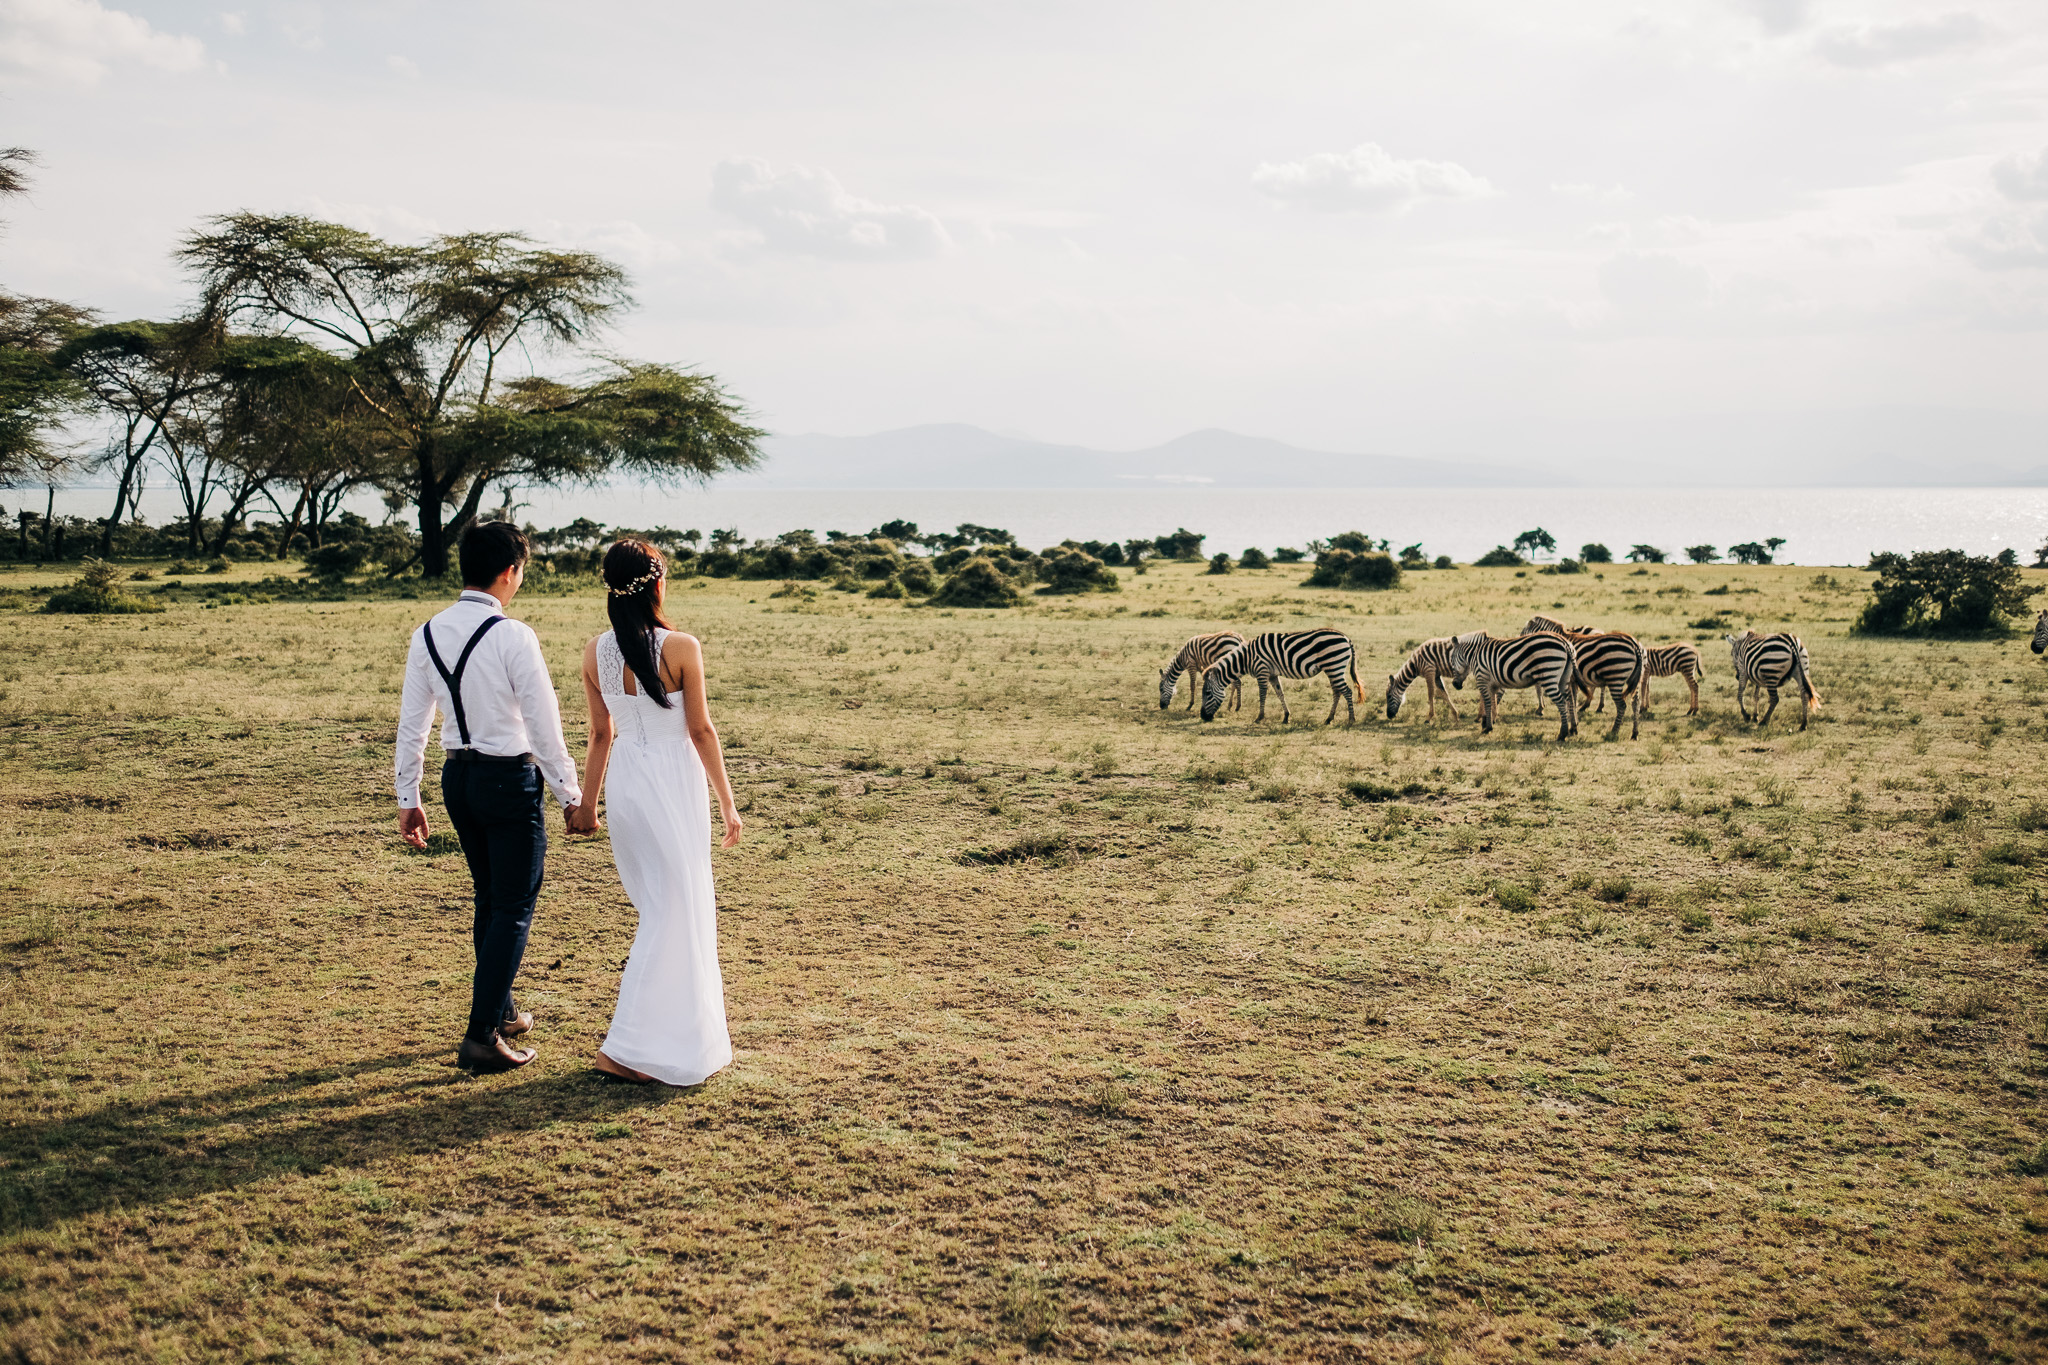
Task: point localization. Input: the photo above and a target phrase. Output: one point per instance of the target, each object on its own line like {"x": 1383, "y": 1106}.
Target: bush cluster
{"x": 1943, "y": 592}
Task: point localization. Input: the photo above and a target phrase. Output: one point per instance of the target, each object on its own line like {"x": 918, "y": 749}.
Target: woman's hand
{"x": 583, "y": 819}
{"x": 733, "y": 826}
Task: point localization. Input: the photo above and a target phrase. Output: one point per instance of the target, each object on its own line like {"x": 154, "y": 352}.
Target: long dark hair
{"x": 633, "y": 569}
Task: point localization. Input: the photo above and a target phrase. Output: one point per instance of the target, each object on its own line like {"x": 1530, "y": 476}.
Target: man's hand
{"x": 412, "y": 826}
{"x": 580, "y": 819}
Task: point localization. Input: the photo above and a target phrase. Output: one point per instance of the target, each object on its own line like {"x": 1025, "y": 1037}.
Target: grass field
{"x": 1064, "y": 1025}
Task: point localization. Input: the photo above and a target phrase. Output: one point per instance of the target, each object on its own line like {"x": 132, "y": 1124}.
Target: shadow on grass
{"x": 128, "y": 1155}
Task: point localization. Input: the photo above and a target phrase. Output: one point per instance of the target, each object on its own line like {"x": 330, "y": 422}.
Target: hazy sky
{"x": 1441, "y": 229}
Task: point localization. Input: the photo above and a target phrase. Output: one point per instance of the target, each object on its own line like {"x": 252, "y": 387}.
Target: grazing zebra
{"x": 2041, "y": 632}
{"x": 1197, "y": 657}
{"x": 1288, "y": 654}
{"x": 1681, "y": 660}
{"x": 1545, "y": 661}
{"x": 1611, "y": 663}
{"x": 1540, "y": 623}
{"x": 1768, "y": 662}
{"x": 1430, "y": 662}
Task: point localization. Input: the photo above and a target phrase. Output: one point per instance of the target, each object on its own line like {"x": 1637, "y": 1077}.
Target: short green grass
{"x": 1063, "y": 1025}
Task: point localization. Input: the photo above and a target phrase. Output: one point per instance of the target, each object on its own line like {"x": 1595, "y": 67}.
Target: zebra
{"x": 1767, "y": 663}
{"x": 1197, "y": 657}
{"x": 2041, "y": 632}
{"x": 1545, "y": 661}
{"x": 1681, "y": 660}
{"x": 1540, "y": 622}
{"x": 1431, "y": 662}
{"x": 1611, "y": 663}
{"x": 1288, "y": 654}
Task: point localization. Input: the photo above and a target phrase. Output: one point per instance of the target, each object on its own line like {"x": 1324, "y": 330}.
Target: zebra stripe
{"x": 1288, "y": 654}
{"x": 1197, "y": 657}
{"x": 1545, "y": 661}
{"x": 1767, "y": 663}
{"x": 1611, "y": 663}
{"x": 1431, "y": 661}
{"x": 1539, "y": 623}
{"x": 2041, "y": 632}
{"x": 1681, "y": 660}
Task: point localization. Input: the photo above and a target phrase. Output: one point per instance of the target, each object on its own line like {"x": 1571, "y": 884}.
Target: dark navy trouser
{"x": 497, "y": 812}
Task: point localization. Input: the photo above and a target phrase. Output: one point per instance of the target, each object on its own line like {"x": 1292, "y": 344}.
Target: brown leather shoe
{"x": 519, "y": 1023}
{"x": 496, "y": 1055}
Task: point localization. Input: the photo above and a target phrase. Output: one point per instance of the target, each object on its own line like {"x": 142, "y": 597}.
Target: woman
{"x": 645, "y": 685}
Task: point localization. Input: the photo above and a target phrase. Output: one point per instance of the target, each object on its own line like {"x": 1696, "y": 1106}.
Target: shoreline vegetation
{"x": 1946, "y": 593}
{"x": 1065, "y": 1025}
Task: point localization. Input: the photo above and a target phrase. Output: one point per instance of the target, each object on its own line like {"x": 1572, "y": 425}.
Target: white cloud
{"x": 1365, "y": 179}
{"x": 1614, "y": 194}
{"x": 76, "y": 42}
{"x": 303, "y": 26}
{"x": 1776, "y": 16}
{"x": 2022, "y": 177}
{"x": 234, "y": 21}
{"x": 809, "y": 212}
{"x": 402, "y": 66}
{"x": 2007, "y": 241}
{"x": 1652, "y": 286}
{"x": 394, "y": 222}
{"x": 1869, "y": 45}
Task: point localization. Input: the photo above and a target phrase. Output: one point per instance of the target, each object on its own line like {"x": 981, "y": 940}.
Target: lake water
{"x": 1821, "y": 526}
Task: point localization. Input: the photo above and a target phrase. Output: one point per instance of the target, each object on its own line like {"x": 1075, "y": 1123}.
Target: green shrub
{"x": 978, "y": 583}
{"x": 338, "y": 560}
{"x": 1444, "y": 562}
{"x": 1943, "y": 592}
{"x": 1596, "y": 553}
{"x": 94, "y": 593}
{"x": 889, "y": 588}
{"x": 1076, "y": 571}
{"x": 1287, "y": 554}
{"x": 1253, "y": 558}
{"x": 1220, "y": 563}
{"x": 1499, "y": 557}
{"x": 1341, "y": 568}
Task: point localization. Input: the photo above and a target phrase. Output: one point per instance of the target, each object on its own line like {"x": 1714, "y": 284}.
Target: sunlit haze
{"x": 1681, "y": 242}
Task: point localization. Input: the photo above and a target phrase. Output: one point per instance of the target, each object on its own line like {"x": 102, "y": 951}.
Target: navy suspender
{"x": 454, "y": 680}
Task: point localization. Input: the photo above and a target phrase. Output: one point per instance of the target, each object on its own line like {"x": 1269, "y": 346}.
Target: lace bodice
{"x": 639, "y": 719}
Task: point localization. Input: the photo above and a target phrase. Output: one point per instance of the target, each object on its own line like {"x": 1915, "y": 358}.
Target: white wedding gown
{"x": 670, "y": 1022}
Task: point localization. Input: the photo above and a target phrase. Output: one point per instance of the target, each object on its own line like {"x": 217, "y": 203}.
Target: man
{"x": 502, "y": 731}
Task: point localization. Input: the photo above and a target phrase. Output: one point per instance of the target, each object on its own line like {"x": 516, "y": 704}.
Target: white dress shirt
{"x": 507, "y": 698}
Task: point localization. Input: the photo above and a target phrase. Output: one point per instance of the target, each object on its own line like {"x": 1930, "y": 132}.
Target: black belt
{"x": 478, "y": 756}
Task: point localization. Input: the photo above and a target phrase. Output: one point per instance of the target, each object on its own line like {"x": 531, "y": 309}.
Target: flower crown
{"x": 653, "y": 574}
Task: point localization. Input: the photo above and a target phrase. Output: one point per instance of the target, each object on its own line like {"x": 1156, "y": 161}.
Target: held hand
{"x": 580, "y": 819}
{"x": 412, "y": 826}
{"x": 733, "y": 826}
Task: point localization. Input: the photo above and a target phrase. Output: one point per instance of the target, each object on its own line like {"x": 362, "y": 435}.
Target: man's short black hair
{"x": 488, "y": 549}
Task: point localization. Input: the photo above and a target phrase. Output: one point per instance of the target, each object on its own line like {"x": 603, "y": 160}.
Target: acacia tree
{"x": 1530, "y": 542}
{"x": 36, "y": 394}
{"x": 425, "y": 330}
{"x": 144, "y": 374}
{"x": 1645, "y": 554}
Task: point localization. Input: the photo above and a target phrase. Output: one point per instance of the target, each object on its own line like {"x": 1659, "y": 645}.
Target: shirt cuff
{"x": 411, "y": 802}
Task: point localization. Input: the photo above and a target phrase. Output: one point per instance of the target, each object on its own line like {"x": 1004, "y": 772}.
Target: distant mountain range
{"x": 1867, "y": 448}
{"x": 959, "y": 456}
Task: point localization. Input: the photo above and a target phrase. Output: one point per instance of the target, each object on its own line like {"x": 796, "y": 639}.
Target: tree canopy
{"x": 428, "y": 333}
{"x": 1943, "y": 592}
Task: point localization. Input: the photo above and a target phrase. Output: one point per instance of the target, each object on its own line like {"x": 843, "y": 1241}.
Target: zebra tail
{"x": 1806, "y": 686}
{"x": 1357, "y": 687}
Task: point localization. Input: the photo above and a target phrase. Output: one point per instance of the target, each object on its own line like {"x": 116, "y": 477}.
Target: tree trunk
{"x": 49, "y": 523}
{"x": 129, "y": 465}
{"x": 284, "y": 543}
{"x": 231, "y": 517}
